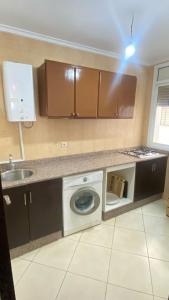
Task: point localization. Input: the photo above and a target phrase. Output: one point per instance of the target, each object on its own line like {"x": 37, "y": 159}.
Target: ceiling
{"x": 100, "y": 24}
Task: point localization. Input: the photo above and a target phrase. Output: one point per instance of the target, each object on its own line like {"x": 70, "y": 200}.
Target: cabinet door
{"x": 60, "y": 89}
{"x": 150, "y": 178}
{"x": 45, "y": 208}
{"x": 16, "y": 214}
{"x": 108, "y": 94}
{"x": 159, "y": 172}
{"x": 126, "y": 98}
{"x": 87, "y": 85}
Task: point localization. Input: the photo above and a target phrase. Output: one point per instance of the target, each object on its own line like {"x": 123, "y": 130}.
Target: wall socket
{"x": 63, "y": 145}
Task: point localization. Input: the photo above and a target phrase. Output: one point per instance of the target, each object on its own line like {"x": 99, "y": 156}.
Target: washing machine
{"x": 82, "y": 201}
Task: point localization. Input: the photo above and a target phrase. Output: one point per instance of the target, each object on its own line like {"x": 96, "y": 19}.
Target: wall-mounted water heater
{"x": 18, "y": 92}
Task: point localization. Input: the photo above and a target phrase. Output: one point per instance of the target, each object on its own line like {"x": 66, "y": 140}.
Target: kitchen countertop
{"x": 46, "y": 169}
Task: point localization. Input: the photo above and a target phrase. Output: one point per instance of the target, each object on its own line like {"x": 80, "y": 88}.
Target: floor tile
{"x": 110, "y": 222}
{"x": 99, "y": 235}
{"x": 76, "y": 287}
{"x": 118, "y": 293}
{"x": 18, "y": 268}
{"x": 160, "y": 277}
{"x": 130, "y": 271}
{"x": 39, "y": 282}
{"x": 57, "y": 254}
{"x": 156, "y": 208}
{"x": 130, "y": 220}
{"x": 157, "y": 225}
{"x": 92, "y": 261}
{"x": 158, "y": 246}
{"x": 130, "y": 240}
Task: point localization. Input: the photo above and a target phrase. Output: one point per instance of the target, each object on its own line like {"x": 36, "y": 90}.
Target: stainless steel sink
{"x": 16, "y": 174}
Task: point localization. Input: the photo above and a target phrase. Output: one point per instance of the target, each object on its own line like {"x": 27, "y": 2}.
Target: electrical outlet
{"x": 63, "y": 145}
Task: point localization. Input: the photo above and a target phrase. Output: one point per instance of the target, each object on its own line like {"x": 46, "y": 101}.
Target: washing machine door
{"x": 84, "y": 201}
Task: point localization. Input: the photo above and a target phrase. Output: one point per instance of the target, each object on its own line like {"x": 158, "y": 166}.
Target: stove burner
{"x": 141, "y": 152}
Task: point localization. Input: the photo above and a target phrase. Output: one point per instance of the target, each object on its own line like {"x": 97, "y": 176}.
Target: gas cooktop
{"x": 141, "y": 152}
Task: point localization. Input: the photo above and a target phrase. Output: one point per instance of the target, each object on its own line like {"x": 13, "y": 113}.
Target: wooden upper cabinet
{"x": 79, "y": 92}
{"x": 108, "y": 95}
{"x": 56, "y": 89}
{"x": 116, "y": 95}
{"x": 86, "y": 99}
{"x": 126, "y": 99}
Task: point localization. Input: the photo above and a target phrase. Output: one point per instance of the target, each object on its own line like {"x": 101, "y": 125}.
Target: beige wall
{"x": 82, "y": 135}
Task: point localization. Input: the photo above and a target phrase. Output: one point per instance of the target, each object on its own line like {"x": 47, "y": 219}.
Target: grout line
{"x": 28, "y": 259}
{"x": 155, "y": 216}
{"x": 86, "y": 276}
{"x": 137, "y": 230}
{"x": 77, "y": 243}
{"x": 151, "y": 279}
{"x": 159, "y": 259}
{"x": 110, "y": 259}
{"x": 128, "y": 289}
{"x": 23, "y": 273}
{"x": 48, "y": 266}
{"x": 93, "y": 244}
{"x": 130, "y": 253}
{"x": 61, "y": 285}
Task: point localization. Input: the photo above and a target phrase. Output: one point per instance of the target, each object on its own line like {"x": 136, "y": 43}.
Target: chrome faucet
{"x": 11, "y": 163}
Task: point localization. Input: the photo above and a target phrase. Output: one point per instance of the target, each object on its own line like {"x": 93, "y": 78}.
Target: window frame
{"x": 153, "y": 106}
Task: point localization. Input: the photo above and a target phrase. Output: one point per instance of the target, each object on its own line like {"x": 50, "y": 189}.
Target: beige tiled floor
{"x": 124, "y": 258}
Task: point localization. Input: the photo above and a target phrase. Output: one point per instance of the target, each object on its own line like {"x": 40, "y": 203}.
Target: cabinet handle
{"x": 154, "y": 167}
{"x": 77, "y": 114}
{"x": 25, "y": 200}
{"x": 72, "y": 114}
{"x": 7, "y": 200}
{"x": 30, "y": 197}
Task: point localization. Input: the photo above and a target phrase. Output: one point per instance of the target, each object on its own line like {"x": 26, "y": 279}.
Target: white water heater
{"x": 18, "y": 92}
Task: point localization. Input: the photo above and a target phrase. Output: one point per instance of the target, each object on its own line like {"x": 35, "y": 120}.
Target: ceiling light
{"x": 130, "y": 49}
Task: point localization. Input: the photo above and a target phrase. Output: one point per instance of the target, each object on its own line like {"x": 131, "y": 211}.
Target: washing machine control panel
{"x": 82, "y": 179}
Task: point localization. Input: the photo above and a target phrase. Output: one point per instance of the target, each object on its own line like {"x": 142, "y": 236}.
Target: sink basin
{"x": 17, "y": 174}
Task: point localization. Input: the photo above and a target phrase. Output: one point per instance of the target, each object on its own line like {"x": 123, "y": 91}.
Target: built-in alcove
{"x": 111, "y": 200}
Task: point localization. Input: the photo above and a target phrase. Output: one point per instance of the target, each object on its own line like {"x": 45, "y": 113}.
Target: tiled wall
{"x": 82, "y": 135}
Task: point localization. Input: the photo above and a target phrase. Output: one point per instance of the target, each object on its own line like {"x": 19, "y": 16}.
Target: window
{"x": 159, "y": 115}
{"x": 161, "y": 128}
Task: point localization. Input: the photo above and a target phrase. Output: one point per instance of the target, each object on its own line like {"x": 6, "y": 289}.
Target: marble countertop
{"x": 46, "y": 169}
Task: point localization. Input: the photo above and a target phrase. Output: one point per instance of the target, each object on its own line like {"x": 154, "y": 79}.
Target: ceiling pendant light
{"x": 130, "y": 49}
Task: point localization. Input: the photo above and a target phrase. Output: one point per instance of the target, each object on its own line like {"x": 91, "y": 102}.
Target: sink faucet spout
{"x": 11, "y": 163}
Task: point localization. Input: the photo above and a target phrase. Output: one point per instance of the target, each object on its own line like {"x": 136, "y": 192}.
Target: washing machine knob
{"x": 84, "y": 179}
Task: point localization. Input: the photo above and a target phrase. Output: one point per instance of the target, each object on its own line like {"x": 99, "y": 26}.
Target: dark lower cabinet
{"x": 16, "y": 214}
{"x": 150, "y": 178}
{"x": 33, "y": 211}
{"x": 45, "y": 208}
